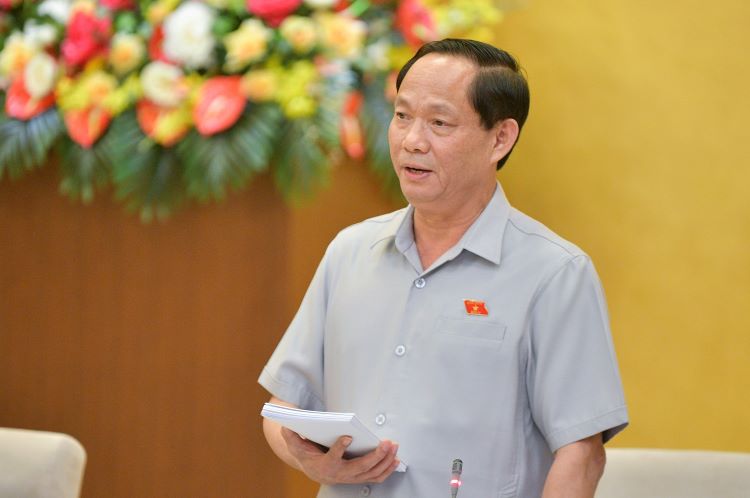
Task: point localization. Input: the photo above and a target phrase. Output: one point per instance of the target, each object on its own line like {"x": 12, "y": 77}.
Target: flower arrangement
{"x": 172, "y": 100}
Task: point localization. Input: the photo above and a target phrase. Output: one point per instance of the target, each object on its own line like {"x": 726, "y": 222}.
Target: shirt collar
{"x": 483, "y": 238}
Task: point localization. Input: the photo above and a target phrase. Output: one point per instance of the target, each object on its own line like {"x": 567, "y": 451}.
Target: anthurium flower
{"x": 40, "y": 75}
{"x": 20, "y": 104}
{"x": 415, "y": 22}
{"x": 188, "y": 38}
{"x": 220, "y": 104}
{"x": 272, "y": 11}
{"x": 247, "y": 44}
{"x": 126, "y": 52}
{"x": 164, "y": 84}
{"x": 85, "y": 126}
{"x": 165, "y": 125}
{"x": 300, "y": 32}
{"x": 87, "y": 36}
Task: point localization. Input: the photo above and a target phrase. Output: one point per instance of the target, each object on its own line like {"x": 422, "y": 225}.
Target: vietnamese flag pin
{"x": 474, "y": 307}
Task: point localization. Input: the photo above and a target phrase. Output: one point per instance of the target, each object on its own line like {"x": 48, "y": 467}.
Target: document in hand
{"x": 326, "y": 427}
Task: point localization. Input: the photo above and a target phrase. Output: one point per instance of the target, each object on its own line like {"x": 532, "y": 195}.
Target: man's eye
{"x": 400, "y": 115}
{"x": 438, "y": 122}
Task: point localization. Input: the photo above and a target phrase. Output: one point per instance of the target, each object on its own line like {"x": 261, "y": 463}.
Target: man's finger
{"x": 338, "y": 448}
{"x": 381, "y": 466}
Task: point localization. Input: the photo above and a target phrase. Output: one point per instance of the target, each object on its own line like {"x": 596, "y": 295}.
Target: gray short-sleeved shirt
{"x": 378, "y": 335}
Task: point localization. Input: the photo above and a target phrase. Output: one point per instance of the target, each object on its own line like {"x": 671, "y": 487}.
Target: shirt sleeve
{"x": 294, "y": 373}
{"x": 573, "y": 380}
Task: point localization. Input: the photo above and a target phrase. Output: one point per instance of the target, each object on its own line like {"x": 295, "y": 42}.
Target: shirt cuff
{"x": 608, "y": 424}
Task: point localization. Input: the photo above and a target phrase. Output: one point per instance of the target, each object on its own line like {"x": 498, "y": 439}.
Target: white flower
{"x": 163, "y": 84}
{"x": 59, "y": 10}
{"x": 39, "y": 35}
{"x": 320, "y": 4}
{"x": 187, "y": 35}
{"x": 40, "y": 74}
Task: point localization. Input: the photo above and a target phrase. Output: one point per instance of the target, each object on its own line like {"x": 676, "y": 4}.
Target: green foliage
{"x": 375, "y": 117}
{"x": 300, "y": 163}
{"x": 229, "y": 158}
{"x": 147, "y": 176}
{"x": 24, "y": 145}
{"x": 84, "y": 170}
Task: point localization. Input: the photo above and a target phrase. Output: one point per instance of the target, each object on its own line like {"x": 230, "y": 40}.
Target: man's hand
{"x": 330, "y": 467}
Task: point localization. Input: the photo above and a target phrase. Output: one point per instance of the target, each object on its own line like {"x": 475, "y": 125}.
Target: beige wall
{"x": 637, "y": 149}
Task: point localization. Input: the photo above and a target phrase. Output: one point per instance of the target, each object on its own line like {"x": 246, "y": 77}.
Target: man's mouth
{"x": 416, "y": 171}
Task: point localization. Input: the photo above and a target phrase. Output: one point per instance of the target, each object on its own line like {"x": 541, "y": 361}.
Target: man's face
{"x": 441, "y": 153}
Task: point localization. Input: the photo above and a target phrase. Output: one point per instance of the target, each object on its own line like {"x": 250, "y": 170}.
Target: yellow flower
{"x": 16, "y": 54}
{"x": 126, "y": 52}
{"x": 91, "y": 88}
{"x": 342, "y": 35}
{"x": 158, "y": 11}
{"x": 173, "y": 122}
{"x": 300, "y": 32}
{"x": 296, "y": 89}
{"x": 247, "y": 44}
{"x": 86, "y": 6}
{"x": 260, "y": 85}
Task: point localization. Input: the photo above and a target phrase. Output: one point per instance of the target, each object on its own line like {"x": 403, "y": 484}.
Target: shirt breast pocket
{"x": 472, "y": 330}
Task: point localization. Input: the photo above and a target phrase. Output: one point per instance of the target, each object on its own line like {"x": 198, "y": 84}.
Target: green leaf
{"x": 230, "y": 158}
{"x": 300, "y": 163}
{"x": 148, "y": 177}
{"x": 84, "y": 170}
{"x": 24, "y": 145}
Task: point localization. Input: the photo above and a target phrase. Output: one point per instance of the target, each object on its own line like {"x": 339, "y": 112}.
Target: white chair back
{"x": 651, "y": 473}
{"x": 37, "y": 464}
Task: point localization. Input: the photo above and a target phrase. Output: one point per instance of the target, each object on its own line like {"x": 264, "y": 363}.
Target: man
{"x": 457, "y": 327}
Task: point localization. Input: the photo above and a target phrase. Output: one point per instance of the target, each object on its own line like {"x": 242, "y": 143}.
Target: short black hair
{"x": 499, "y": 90}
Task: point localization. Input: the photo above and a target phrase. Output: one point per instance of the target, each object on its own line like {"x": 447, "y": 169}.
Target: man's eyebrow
{"x": 432, "y": 106}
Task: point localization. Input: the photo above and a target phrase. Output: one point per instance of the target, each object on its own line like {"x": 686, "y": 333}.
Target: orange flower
{"x": 20, "y": 105}
{"x": 350, "y": 130}
{"x": 220, "y": 104}
{"x": 85, "y": 126}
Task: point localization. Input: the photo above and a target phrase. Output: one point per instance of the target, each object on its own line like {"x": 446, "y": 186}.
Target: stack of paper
{"x": 326, "y": 427}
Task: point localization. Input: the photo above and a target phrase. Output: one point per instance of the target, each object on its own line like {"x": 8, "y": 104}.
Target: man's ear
{"x": 506, "y": 134}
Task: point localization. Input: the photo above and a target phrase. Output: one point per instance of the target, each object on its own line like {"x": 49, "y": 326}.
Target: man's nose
{"x": 415, "y": 139}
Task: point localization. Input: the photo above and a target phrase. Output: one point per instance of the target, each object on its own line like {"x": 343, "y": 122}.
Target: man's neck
{"x": 435, "y": 232}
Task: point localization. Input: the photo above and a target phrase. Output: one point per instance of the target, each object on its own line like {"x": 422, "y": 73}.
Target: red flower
{"x": 272, "y": 11}
{"x": 118, "y": 4}
{"x": 155, "y": 52}
{"x": 20, "y": 105}
{"x": 87, "y": 36}
{"x": 87, "y": 125}
{"x": 350, "y": 130}
{"x": 220, "y": 104}
{"x": 415, "y": 22}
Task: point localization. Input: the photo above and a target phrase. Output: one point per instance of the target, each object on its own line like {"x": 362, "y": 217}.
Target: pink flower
{"x": 87, "y": 36}
{"x": 220, "y": 104}
{"x": 273, "y": 11}
{"x": 118, "y": 4}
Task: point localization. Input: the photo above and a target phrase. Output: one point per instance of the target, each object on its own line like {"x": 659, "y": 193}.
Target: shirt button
{"x": 400, "y": 350}
{"x": 365, "y": 491}
{"x": 419, "y": 283}
{"x": 380, "y": 419}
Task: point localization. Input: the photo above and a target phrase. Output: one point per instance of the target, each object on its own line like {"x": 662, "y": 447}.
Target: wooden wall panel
{"x": 144, "y": 341}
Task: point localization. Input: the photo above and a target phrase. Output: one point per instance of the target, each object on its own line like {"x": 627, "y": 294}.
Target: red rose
{"x": 415, "y": 22}
{"x": 87, "y": 36}
{"x": 273, "y": 11}
{"x": 118, "y": 4}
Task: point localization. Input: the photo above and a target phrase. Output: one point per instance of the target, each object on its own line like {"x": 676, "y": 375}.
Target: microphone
{"x": 458, "y": 466}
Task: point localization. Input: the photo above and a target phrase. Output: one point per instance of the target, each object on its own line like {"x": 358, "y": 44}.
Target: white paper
{"x": 326, "y": 427}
